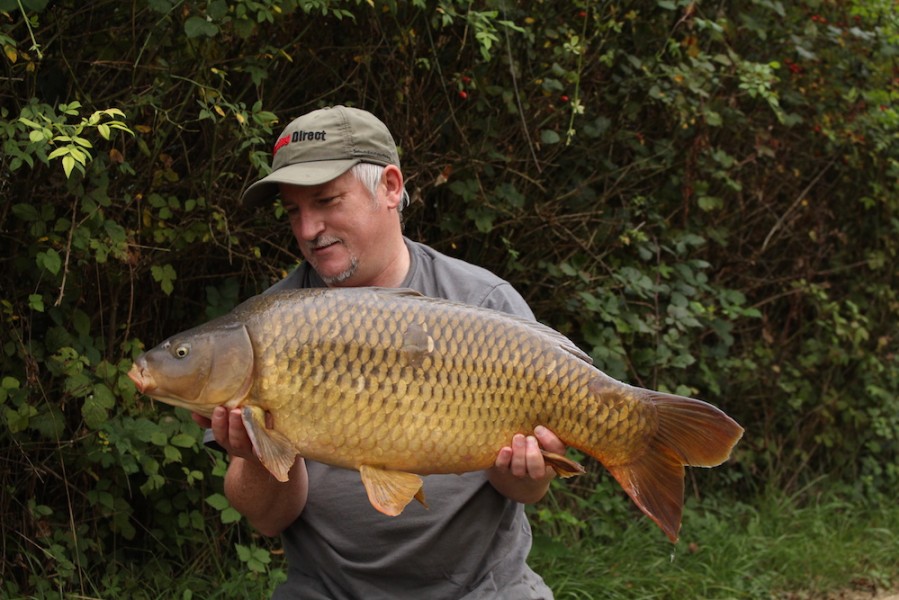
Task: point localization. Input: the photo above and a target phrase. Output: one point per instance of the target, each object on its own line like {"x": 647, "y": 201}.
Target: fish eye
{"x": 181, "y": 351}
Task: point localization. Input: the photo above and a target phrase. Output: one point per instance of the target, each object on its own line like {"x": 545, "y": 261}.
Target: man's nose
{"x": 307, "y": 225}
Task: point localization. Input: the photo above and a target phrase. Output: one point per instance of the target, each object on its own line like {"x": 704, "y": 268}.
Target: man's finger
{"x": 519, "y": 466}
{"x": 503, "y": 458}
{"x": 549, "y": 441}
{"x": 536, "y": 465}
{"x": 219, "y": 426}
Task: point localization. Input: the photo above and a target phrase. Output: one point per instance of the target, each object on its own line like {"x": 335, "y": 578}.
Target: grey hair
{"x": 369, "y": 175}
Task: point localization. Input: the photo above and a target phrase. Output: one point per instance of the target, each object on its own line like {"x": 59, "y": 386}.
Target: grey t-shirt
{"x": 471, "y": 544}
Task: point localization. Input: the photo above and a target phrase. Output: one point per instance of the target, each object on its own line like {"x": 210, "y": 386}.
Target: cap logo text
{"x": 298, "y": 136}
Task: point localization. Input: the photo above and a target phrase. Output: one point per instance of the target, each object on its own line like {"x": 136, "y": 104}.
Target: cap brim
{"x": 307, "y": 173}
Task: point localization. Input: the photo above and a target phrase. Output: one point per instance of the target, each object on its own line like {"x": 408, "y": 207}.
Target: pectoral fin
{"x": 390, "y": 491}
{"x": 273, "y": 449}
{"x": 564, "y": 466}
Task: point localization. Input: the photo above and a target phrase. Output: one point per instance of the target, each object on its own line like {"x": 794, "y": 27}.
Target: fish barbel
{"x": 395, "y": 385}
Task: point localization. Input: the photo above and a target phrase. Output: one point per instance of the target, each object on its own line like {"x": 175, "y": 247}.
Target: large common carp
{"x": 395, "y": 384}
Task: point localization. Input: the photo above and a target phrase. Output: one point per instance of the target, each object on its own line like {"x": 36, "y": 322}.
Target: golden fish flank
{"x": 394, "y": 384}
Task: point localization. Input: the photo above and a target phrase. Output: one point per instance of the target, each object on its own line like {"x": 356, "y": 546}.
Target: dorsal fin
{"x": 548, "y": 332}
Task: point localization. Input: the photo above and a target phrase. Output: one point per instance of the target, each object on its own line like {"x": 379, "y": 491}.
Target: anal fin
{"x": 390, "y": 491}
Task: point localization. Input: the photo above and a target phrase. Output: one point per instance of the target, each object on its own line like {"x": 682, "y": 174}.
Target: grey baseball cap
{"x": 320, "y": 146}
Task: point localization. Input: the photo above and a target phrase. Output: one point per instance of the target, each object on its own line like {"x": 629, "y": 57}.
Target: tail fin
{"x": 691, "y": 433}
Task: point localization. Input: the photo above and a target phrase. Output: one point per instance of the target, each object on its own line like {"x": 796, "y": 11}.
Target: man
{"x": 337, "y": 173}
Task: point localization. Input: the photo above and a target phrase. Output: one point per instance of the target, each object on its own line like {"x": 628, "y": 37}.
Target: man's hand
{"x": 524, "y": 459}
{"x": 520, "y": 473}
{"x": 229, "y": 431}
{"x": 268, "y": 504}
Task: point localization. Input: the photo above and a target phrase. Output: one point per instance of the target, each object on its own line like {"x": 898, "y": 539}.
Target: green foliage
{"x": 45, "y": 129}
{"x": 702, "y": 196}
{"x": 836, "y": 545}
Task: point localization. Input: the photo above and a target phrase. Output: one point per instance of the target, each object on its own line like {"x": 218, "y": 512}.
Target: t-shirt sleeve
{"x": 505, "y": 298}
{"x": 435, "y": 274}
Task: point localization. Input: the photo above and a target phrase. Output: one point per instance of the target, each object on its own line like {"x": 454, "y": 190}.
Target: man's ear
{"x": 392, "y": 180}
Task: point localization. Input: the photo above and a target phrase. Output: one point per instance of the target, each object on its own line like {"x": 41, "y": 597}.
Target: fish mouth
{"x": 141, "y": 377}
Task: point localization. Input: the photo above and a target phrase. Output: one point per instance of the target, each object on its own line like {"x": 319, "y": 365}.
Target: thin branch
{"x": 524, "y": 124}
{"x": 795, "y": 203}
{"x": 65, "y": 266}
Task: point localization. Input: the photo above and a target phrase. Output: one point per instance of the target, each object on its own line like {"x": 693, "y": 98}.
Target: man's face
{"x": 338, "y": 226}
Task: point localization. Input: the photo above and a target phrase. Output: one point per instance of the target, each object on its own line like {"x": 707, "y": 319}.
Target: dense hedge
{"x": 703, "y": 195}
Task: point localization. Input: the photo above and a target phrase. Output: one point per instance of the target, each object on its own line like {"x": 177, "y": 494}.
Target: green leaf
{"x": 709, "y": 203}
{"x": 548, "y": 136}
{"x": 597, "y": 127}
{"x": 217, "y": 9}
{"x": 172, "y": 454}
{"x": 712, "y": 118}
{"x": 182, "y": 440}
{"x": 230, "y": 515}
{"x": 68, "y": 163}
{"x": 18, "y": 420}
{"x": 70, "y": 108}
{"x": 79, "y": 155}
{"x": 166, "y": 276}
{"x": 104, "y": 396}
{"x": 196, "y": 26}
{"x": 81, "y": 322}
{"x": 49, "y": 260}
{"x": 244, "y": 28}
{"x": 161, "y": 6}
{"x": 115, "y": 232}
{"x": 26, "y": 212}
{"x": 218, "y": 501}
{"x": 36, "y": 302}
{"x": 8, "y": 384}
{"x": 94, "y": 410}
{"x": 243, "y": 552}
{"x": 63, "y": 151}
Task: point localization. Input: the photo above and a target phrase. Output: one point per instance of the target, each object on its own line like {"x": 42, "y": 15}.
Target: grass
{"x": 772, "y": 548}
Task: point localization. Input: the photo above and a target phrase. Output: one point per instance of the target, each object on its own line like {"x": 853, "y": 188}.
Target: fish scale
{"x": 455, "y": 352}
{"x": 396, "y": 385}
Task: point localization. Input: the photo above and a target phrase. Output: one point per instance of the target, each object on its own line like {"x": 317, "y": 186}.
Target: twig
{"x": 34, "y": 45}
{"x": 524, "y": 124}
{"x": 796, "y": 202}
{"x": 575, "y": 102}
{"x": 65, "y": 266}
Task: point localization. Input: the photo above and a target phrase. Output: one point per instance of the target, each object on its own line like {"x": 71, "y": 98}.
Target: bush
{"x": 704, "y": 197}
